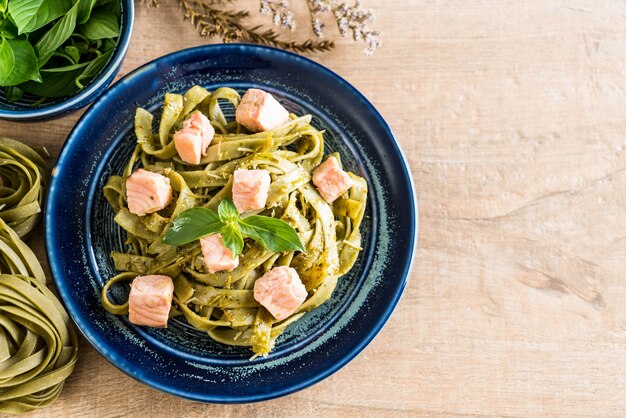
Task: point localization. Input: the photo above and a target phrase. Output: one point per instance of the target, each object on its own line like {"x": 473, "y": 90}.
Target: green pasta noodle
{"x": 222, "y": 303}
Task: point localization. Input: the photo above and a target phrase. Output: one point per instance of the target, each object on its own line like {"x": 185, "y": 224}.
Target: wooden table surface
{"x": 512, "y": 117}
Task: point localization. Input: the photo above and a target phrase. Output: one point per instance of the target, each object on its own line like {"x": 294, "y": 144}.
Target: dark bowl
{"x": 80, "y": 232}
{"x": 22, "y": 111}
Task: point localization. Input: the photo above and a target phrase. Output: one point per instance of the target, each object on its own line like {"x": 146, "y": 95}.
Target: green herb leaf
{"x": 93, "y": 68}
{"x": 7, "y": 29}
{"x": 108, "y": 44}
{"x": 30, "y": 15}
{"x": 3, "y": 5}
{"x": 228, "y": 211}
{"x": 54, "y": 38}
{"x": 73, "y": 53}
{"x": 102, "y": 24}
{"x": 274, "y": 234}
{"x": 67, "y": 68}
{"x": 115, "y": 7}
{"x": 191, "y": 225}
{"x": 54, "y": 83}
{"x": 18, "y": 62}
{"x": 13, "y": 93}
{"x": 84, "y": 10}
{"x": 232, "y": 238}
{"x": 59, "y": 53}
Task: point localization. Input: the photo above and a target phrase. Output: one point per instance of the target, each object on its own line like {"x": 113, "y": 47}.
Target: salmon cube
{"x": 331, "y": 181}
{"x": 280, "y": 291}
{"x": 188, "y": 143}
{"x": 150, "y": 300}
{"x": 147, "y": 192}
{"x": 192, "y": 141}
{"x": 250, "y": 188}
{"x": 197, "y": 120}
{"x": 216, "y": 256}
{"x": 260, "y": 111}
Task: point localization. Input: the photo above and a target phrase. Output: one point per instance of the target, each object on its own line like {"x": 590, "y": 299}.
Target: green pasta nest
{"x": 38, "y": 345}
{"x": 222, "y": 304}
{"x": 23, "y": 178}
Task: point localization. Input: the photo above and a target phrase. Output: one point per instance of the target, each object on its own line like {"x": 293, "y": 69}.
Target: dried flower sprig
{"x": 350, "y": 19}
{"x": 211, "y": 18}
{"x": 281, "y": 15}
{"x": 151, "y": 3}
{"x": 213, "y": 21}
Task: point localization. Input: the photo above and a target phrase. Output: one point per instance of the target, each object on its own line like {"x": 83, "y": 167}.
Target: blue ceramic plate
{"x": 80, "y": 232}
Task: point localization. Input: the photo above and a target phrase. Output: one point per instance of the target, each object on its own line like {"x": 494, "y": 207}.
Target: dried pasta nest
{"x": 23, "y": 178}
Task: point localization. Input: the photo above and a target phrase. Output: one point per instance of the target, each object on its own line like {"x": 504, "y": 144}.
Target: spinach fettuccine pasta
{"x": 38, "y": 345}
{"x": 230, "y": 258}
{"x": 23, "y": 177}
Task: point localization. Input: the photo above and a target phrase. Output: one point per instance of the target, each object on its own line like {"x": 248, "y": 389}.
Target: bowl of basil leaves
{"x": 57, "y": 56}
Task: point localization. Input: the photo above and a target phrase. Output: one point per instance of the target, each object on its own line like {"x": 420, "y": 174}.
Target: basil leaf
{"x": 84, "y": 10}
{"x": 274, "y": 234}
{"x": 13, "y": 93}
{"x": 232, "y": 238}
{"x": 73, "y": 53}
{"x": 67, "y": 68}
{"x": 54, "y": 38}
{"x": 191, "y": 225}
{"x": 18, "y": 62}
{"x": 116, "y": 8}
{"x": 30, "y": 15}
{"x": 3, "y": 5}
{"x": 93, "y": 68}
{"x": 55, "y": 83}
{"x": 227, "y": 211}
{"x": 81, "y": 43}
{"x": 108, "y": 43}
{"x": 7, "y": 29}
{"x": 60, "y": 54}
{"x": 101, "y": 25}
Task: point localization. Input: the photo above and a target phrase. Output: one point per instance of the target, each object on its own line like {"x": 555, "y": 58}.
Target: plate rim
{"x": 233, "y": 399}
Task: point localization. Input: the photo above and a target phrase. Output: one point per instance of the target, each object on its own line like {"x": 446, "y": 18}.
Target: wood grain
{"x": 511, "y": 114}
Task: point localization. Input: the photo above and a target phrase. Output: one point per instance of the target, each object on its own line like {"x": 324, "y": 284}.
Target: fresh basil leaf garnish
{"x": 191, "y": 225}
{"x": 228, "y": 211}
{"x": 232, "y": 238}
{"x": 274, "y": 234}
